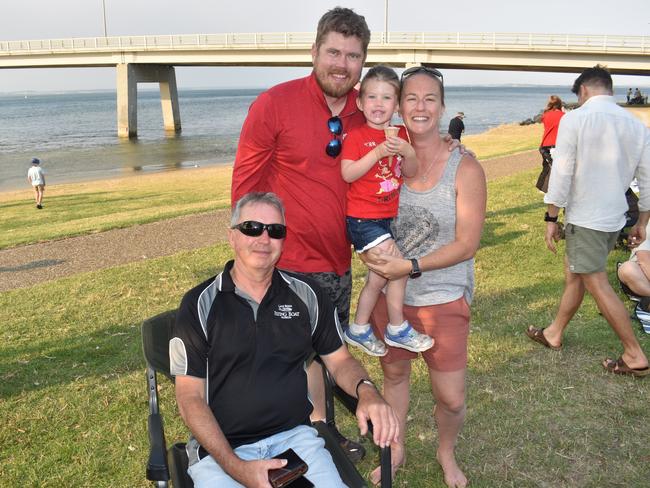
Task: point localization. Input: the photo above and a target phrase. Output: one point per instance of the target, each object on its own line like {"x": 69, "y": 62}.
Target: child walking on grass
{"x": 36, "y": 177}
{"x": 373, "y": 160}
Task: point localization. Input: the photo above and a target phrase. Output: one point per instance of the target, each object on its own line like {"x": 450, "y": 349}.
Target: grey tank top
{"x": 427, "y": 221}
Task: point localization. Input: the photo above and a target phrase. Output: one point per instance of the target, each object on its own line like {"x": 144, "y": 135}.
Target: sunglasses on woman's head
{"x": 253, "y": 228}
{"x": 421, "y": 69}
{"x": 333, "y": 147}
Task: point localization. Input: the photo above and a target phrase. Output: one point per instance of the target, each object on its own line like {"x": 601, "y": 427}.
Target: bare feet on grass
{"x": 397, "y": 459}
{"x": 454, "y": 477}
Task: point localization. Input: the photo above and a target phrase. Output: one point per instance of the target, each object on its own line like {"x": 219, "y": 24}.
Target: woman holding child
{"x": 438, "y": 229}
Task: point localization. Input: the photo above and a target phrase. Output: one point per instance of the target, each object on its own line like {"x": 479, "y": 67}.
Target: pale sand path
{"x": 25, "y": 266}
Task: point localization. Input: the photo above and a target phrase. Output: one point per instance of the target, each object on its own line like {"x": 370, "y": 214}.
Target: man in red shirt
{"x": 290, "y": 144}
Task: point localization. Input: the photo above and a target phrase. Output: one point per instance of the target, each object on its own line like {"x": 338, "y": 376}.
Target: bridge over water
{"x": 152, "y": 58}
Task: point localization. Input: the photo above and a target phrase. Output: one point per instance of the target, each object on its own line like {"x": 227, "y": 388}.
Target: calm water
{"x": 75, "y": 134}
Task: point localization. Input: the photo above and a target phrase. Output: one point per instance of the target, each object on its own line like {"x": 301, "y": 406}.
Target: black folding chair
{"x": 167, "y": 466}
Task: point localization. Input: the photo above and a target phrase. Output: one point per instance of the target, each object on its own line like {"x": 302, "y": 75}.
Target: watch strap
{"x": 548, "y": 218}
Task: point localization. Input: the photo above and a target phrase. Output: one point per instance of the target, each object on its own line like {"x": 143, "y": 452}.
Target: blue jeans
{"x": 302, "y": 439}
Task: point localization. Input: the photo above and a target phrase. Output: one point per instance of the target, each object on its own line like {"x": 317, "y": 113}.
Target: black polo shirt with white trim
{"x": 253, "y": 355}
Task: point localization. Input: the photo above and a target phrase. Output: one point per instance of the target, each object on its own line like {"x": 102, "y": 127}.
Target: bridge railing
{"x": 274, "y": 40}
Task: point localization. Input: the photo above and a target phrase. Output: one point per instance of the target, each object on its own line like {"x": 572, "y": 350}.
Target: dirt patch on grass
{"x": 25, "y": 266}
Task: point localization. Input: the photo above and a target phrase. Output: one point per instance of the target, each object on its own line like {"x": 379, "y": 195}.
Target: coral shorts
{"x": 447, "y": 324}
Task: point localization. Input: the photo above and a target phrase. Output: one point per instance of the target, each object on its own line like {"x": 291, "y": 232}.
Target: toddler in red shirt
{"x": 374, "y": 157}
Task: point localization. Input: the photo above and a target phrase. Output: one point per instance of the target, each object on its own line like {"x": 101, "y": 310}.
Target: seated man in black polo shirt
{"x": 238, "y": 351}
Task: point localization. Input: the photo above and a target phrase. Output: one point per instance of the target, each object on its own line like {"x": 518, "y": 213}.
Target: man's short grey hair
{"x": 255, "y": 198}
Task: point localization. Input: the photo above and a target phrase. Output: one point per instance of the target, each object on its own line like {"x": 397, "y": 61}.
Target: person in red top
{"x": 290, "y": 145}
{"x": 551, "y": 120}
{"x": 374, "y": 157}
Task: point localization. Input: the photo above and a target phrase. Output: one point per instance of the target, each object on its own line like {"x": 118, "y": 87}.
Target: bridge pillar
{"x": 128, "y": 77}
{"x": 127, "y": 101}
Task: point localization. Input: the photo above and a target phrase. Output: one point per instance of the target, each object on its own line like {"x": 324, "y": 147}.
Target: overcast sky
{"x": 53, "y": 19}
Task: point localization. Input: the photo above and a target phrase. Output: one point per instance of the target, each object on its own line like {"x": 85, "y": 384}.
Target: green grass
{"x": 83, "y": 208}
{"x": 73, "y": 394}
{"x": 504, "y": 139}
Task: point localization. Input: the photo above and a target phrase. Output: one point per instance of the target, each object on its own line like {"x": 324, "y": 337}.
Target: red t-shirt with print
{"x": 376, "y": 194}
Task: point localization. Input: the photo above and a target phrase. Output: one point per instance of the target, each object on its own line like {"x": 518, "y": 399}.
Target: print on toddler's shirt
{"x": 390, "y": 181}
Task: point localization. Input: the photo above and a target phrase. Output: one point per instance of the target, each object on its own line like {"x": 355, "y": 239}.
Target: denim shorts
{"x": 367, "y": 233}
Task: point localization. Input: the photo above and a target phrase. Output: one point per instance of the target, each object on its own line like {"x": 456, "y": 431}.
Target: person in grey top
{"x": 438, "y": 230}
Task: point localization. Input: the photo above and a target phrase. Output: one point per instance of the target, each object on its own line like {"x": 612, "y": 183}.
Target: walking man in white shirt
{"x": 599, "y": 150}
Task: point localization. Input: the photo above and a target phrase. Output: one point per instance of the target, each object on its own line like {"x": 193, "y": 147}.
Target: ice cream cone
{"x": 391, "y": 131}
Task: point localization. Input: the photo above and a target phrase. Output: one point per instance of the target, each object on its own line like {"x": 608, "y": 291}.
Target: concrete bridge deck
{"x": 152, "y": 58}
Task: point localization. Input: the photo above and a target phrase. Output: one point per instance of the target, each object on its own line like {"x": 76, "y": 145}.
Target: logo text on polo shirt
{"x": 286, "y": 312}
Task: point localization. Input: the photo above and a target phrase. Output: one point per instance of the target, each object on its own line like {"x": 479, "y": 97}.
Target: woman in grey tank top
{"x": 438, "y": 230}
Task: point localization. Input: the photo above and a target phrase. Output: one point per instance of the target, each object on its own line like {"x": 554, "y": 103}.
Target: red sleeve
{"x": 255, "y": 149}
{"x": 351, "y": 146}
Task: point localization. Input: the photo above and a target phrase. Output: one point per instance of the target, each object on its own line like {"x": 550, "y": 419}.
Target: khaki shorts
{"x": 587, "y": 249}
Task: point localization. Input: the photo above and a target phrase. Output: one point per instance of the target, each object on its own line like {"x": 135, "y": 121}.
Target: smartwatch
{"x": 548, "y": 218}
{"x": 415, "y": 269}
{"x": 364, "y": 381}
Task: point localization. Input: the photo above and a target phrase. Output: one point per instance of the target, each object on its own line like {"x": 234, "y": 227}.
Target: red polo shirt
{"x": 282, "y": 149}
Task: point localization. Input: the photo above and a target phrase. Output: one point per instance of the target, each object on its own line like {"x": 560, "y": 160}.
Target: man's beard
{"x": 331, "y": 89}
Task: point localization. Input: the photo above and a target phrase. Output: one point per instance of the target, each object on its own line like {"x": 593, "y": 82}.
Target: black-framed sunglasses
{"x": 335, "y": 126}
{"x": 253, "y": 228}
{"x": 421, "y": 69}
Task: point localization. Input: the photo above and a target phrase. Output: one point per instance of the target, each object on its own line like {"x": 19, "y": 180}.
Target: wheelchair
{"x": 168, "y": 467}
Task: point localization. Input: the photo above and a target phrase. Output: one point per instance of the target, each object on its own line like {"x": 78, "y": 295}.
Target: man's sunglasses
{"x": 421, "y": 69}
{"x": 333, "y": 148}
{"x": 252, "y": 228}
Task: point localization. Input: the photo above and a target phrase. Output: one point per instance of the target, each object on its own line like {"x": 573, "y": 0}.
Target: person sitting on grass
{"x": 634, "y": 275}
{"x": 374, "y": 158}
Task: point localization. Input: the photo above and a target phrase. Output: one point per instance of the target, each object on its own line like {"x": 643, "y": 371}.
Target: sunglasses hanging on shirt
{"x": 335, "y": 126}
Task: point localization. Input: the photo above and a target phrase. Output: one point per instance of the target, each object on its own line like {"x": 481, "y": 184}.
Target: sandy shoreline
{"x": 80, "y": 181}
{"x": 481, "y": 143}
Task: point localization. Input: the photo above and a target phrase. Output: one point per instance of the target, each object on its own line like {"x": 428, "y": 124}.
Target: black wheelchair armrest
{"x": 157, "y": 469}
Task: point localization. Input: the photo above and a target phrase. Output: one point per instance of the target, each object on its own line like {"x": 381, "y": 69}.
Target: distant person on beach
{"x": 36, "y": 176}
{"x": 238, "y": 350}
{"x": 551, "y": 120}
{"x": 457, "y": 126}
{"x": 600, "y": 148}
{"x": 374, "y": 158}
{"x": 438, "y": 230}
{"x": 629, "y": 95}
{"x": 638, "y": 98}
